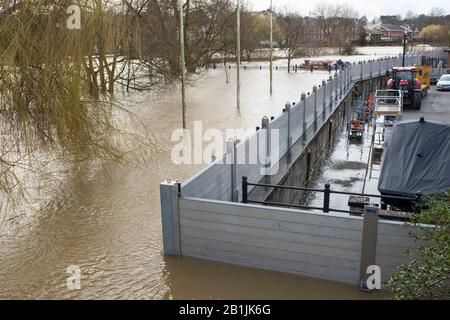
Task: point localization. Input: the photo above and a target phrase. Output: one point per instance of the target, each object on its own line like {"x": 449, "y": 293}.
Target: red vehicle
{"x": 404, "y": 79}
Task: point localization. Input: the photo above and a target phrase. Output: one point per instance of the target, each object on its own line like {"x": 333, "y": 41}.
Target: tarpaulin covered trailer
{"x": 417, "y": 159}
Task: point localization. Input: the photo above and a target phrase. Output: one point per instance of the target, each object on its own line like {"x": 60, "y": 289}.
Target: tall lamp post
{"x": 271, "y": 47}
{"x": 405, "y": 34}
{"x": 238, "y": 54}
{"x": 182, "y": 63}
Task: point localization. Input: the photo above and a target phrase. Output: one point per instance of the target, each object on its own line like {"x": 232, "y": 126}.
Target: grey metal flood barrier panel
{"x": 309, "y": 244}
{"x": 300, "y": 242}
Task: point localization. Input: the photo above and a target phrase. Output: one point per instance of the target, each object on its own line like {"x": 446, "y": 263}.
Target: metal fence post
{"x": 315, "y": 107}
{"x": 231, "y": 146}
{"x": 341, "y": 84}
{"x": 347, "y": 78}
{"x": 344, "y": 79}
{"x": 346, "y": 83}
{"x": 265, "y": 126}
{"x": 305, "y": 124}
{"x": 289, "y": 139}
{"x": 370, "y": 64}
{"x": 170, "y": 216}
{"x": 350, "y": 74}
{"x": 330, "y": 131}
{"x": 336, "y": 88}
{"x": 361, "y": 64}
{"x": 244, "y": 190}
{"x": 331, "y": 93}
{"x": 369, "y": 244}
{"x": 324, "y": 113}
{"x": 326, "y": 198}
{"x": 418, "y": 206}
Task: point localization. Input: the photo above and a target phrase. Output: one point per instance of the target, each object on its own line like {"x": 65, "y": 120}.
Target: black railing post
{"x": 326, "y": 198}
{"x": 418, "y": 207}
{"x": 244, "y": 189}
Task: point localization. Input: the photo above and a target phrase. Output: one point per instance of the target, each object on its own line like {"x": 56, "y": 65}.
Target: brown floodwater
{"x": 109, "y": 224}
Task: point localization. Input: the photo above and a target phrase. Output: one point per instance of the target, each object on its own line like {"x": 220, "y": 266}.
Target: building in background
{"x": 390, "y": 31}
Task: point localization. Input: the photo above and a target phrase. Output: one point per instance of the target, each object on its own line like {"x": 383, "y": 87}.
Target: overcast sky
{"x": 370, "y": 8}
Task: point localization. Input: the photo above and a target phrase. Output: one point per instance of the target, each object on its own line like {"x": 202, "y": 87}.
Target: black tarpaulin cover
{"x": 417, "y": 158}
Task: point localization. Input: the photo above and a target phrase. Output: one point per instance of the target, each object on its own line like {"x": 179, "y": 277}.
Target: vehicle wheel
{"x": 417, "y": 100}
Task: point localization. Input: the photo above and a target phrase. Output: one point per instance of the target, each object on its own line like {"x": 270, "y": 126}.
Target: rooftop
{"x": 391, "y": 27}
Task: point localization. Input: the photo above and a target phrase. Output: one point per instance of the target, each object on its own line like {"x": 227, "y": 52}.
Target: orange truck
{"x": 423, "y": 73}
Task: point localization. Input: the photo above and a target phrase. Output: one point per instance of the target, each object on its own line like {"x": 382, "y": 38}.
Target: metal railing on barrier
{"x": 326, "y": 199}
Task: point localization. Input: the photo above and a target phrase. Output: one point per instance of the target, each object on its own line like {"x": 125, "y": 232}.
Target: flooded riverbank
{"x": 109, "y": 223}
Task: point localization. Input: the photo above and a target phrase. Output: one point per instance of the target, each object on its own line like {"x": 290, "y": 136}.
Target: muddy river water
{"x": 109, "y": 224}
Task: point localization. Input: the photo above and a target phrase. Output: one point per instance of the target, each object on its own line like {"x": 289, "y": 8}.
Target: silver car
{"x": 444, "y": 82}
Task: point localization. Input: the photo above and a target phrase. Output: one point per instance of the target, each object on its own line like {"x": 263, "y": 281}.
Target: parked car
{"x": 434, "y": 80}
{"x": 435, "y": 75}
{"x": 444, "y": 82}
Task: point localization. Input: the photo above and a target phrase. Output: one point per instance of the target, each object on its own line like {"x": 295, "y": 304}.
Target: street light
{"x": 405, "y": 34}
{"x": 405, "y": 37}
{"x": 238, "y": 53}
{"x": 182, "y": 64}
{"x": 270, "y": 12}
{"x": 271, "y": 47}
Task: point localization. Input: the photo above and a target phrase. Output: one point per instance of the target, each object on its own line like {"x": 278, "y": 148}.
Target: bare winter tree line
{"x": 58, "y": 86}
{"x": 329, "y": 25}
{"x": 135, "y": 42}
{"x": 432, "y": 28}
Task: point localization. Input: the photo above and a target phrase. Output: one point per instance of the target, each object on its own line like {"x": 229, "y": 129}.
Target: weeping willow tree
{"x": 57, "y": 85}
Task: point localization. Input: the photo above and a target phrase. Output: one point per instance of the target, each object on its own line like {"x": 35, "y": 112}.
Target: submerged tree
{"x": 339, "y": 25}
{"x": 292, "y": 34}
{"x": 53, "y": 86}
{"x": 205, "y": 23}
{"x": 58, "y": 85}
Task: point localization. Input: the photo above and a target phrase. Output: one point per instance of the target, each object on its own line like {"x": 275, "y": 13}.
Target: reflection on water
{"x": 110, "y": 224}
{"x": 345, "y": 166}
{"x": 189, "y": 277}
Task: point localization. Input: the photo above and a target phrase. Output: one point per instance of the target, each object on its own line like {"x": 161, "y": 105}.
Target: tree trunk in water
{"x": 226, "y": 70}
